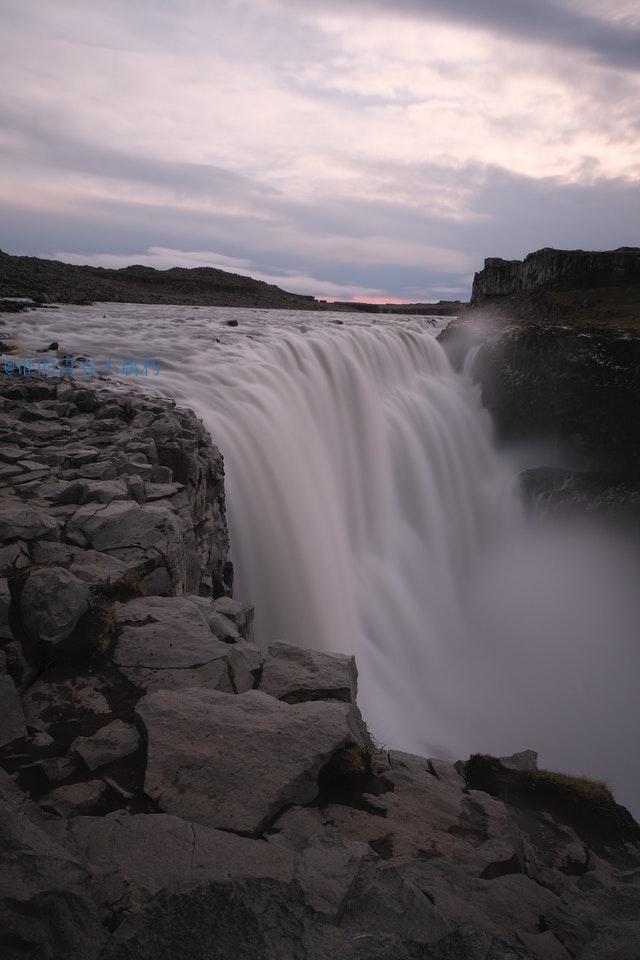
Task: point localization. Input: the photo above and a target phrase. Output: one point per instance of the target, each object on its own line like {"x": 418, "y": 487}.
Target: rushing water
{"x": 370, "y": 513}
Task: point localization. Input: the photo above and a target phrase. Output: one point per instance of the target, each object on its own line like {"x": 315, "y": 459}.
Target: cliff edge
{"x": 169, "y": 790}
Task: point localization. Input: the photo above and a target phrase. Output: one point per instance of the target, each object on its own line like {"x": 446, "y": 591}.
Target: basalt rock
{"x": 169, "y": 789}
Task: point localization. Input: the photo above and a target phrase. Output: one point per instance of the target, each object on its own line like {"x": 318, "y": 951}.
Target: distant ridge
{"x": 51, "y": 281}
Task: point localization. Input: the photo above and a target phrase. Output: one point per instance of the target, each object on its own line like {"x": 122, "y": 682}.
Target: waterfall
{"x": 371, "y": 513}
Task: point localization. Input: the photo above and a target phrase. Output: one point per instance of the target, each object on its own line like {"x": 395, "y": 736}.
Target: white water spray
{"x": 371, "y": 514}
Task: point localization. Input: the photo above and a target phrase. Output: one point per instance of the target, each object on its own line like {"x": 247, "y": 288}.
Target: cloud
{"x": 370, "y": 147}
{"x": 613, "y": 40}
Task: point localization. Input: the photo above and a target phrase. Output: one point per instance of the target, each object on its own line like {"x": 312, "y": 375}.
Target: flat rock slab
{"x": 112, "y": 742}
{"x": 123, "y": 523}
{"x": 166, "y": 643}
{"x": 295, "y": 675}
{"x": 18, "y": 522}
{"x": 133, "y": 857}
{"x": 235, "y": 761}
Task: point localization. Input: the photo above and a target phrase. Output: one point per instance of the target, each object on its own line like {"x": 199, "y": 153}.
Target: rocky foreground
{"x": 169, "y": 790}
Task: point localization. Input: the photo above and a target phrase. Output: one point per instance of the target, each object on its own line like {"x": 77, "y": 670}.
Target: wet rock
{"x": 112, "y": 742}
{"x": 12, "y": 724}
{"x": 294, "y": 674}
{"x": 51, "y": 603}
{"x": 207, "y": 750}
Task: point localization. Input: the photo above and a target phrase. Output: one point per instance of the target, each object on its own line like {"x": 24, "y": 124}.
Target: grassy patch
{"x": 586, "y": 805}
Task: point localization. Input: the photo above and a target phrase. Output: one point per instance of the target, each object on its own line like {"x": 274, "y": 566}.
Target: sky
{"x": 350, "y": 149}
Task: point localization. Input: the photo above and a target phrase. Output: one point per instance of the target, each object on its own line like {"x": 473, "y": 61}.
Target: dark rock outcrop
{"x": 51, "y": 281}
{"x": 169, "y": 790}
{"x": 576, "y": 388}
{"x": 550, "y": 269}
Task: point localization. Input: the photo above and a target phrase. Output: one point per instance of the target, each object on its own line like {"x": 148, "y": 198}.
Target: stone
{"x": 242, "y": 614}
{"x": 327, "y": 869}
{"x": 235, "y": 761}
{"x": 112, "y": 742}
{"x": 247, "y": 919}
{"x": 19, "y": 522}
{"x": 135, "y": 856}
{"x": 52, "y": 701}
{"x": 52, "y": 602}
{"x": 136, "y": 488}
{"x": 75, "y": 798}
{"x": 104, "y": 491}
{"x": 57, "y": 768}
{"x": 245, "y": 664}
{"x": 165, "y": 643}
{"x": 100, "y": 470}
{"x": 45, "y": 911}
{"x": 123, "y": 524}
{"x": 525, "y": 760}
{"x": 12, "y": 724}
{"x": 158, "y": 491}
{"x": 294, "y": 674}
{"x": 45, "y": 431}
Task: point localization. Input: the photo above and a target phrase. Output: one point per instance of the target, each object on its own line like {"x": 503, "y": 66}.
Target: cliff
{"x": 169, "y": 790}
{"x": 578, "y": 287}
{"x": 550, "y": 269}
{"x": 50, "y": 281}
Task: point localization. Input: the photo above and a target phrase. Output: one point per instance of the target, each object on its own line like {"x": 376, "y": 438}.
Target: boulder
{"x": 524, "y": 760}
{"x": 45, "y": 911}
{"x": 165, "y": 643}
{"x": 51, "y": 604}
{"x": 236, "y": 761}
{"x": 19, "y": 522}
{"x": 294, "y": 674}
{"x": 112, "y": 742}
{"x": 247, "y": 919}
{"x": 245, "y": 665}
{"x": 75, "y": 798}
{"x": 123, "y": 524}
{"x": 133, "y": 857}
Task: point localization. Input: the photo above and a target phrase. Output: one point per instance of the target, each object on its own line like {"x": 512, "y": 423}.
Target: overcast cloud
{"x": 361, "y": 148}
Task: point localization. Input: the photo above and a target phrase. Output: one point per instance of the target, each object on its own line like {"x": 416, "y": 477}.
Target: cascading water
{"x": 371, "y": 514}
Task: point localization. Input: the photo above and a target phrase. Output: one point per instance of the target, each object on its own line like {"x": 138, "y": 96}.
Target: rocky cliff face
{"x": 168, "y": 790}
{"x": 550, "y": 269}
{"x": 578, "y": 389}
